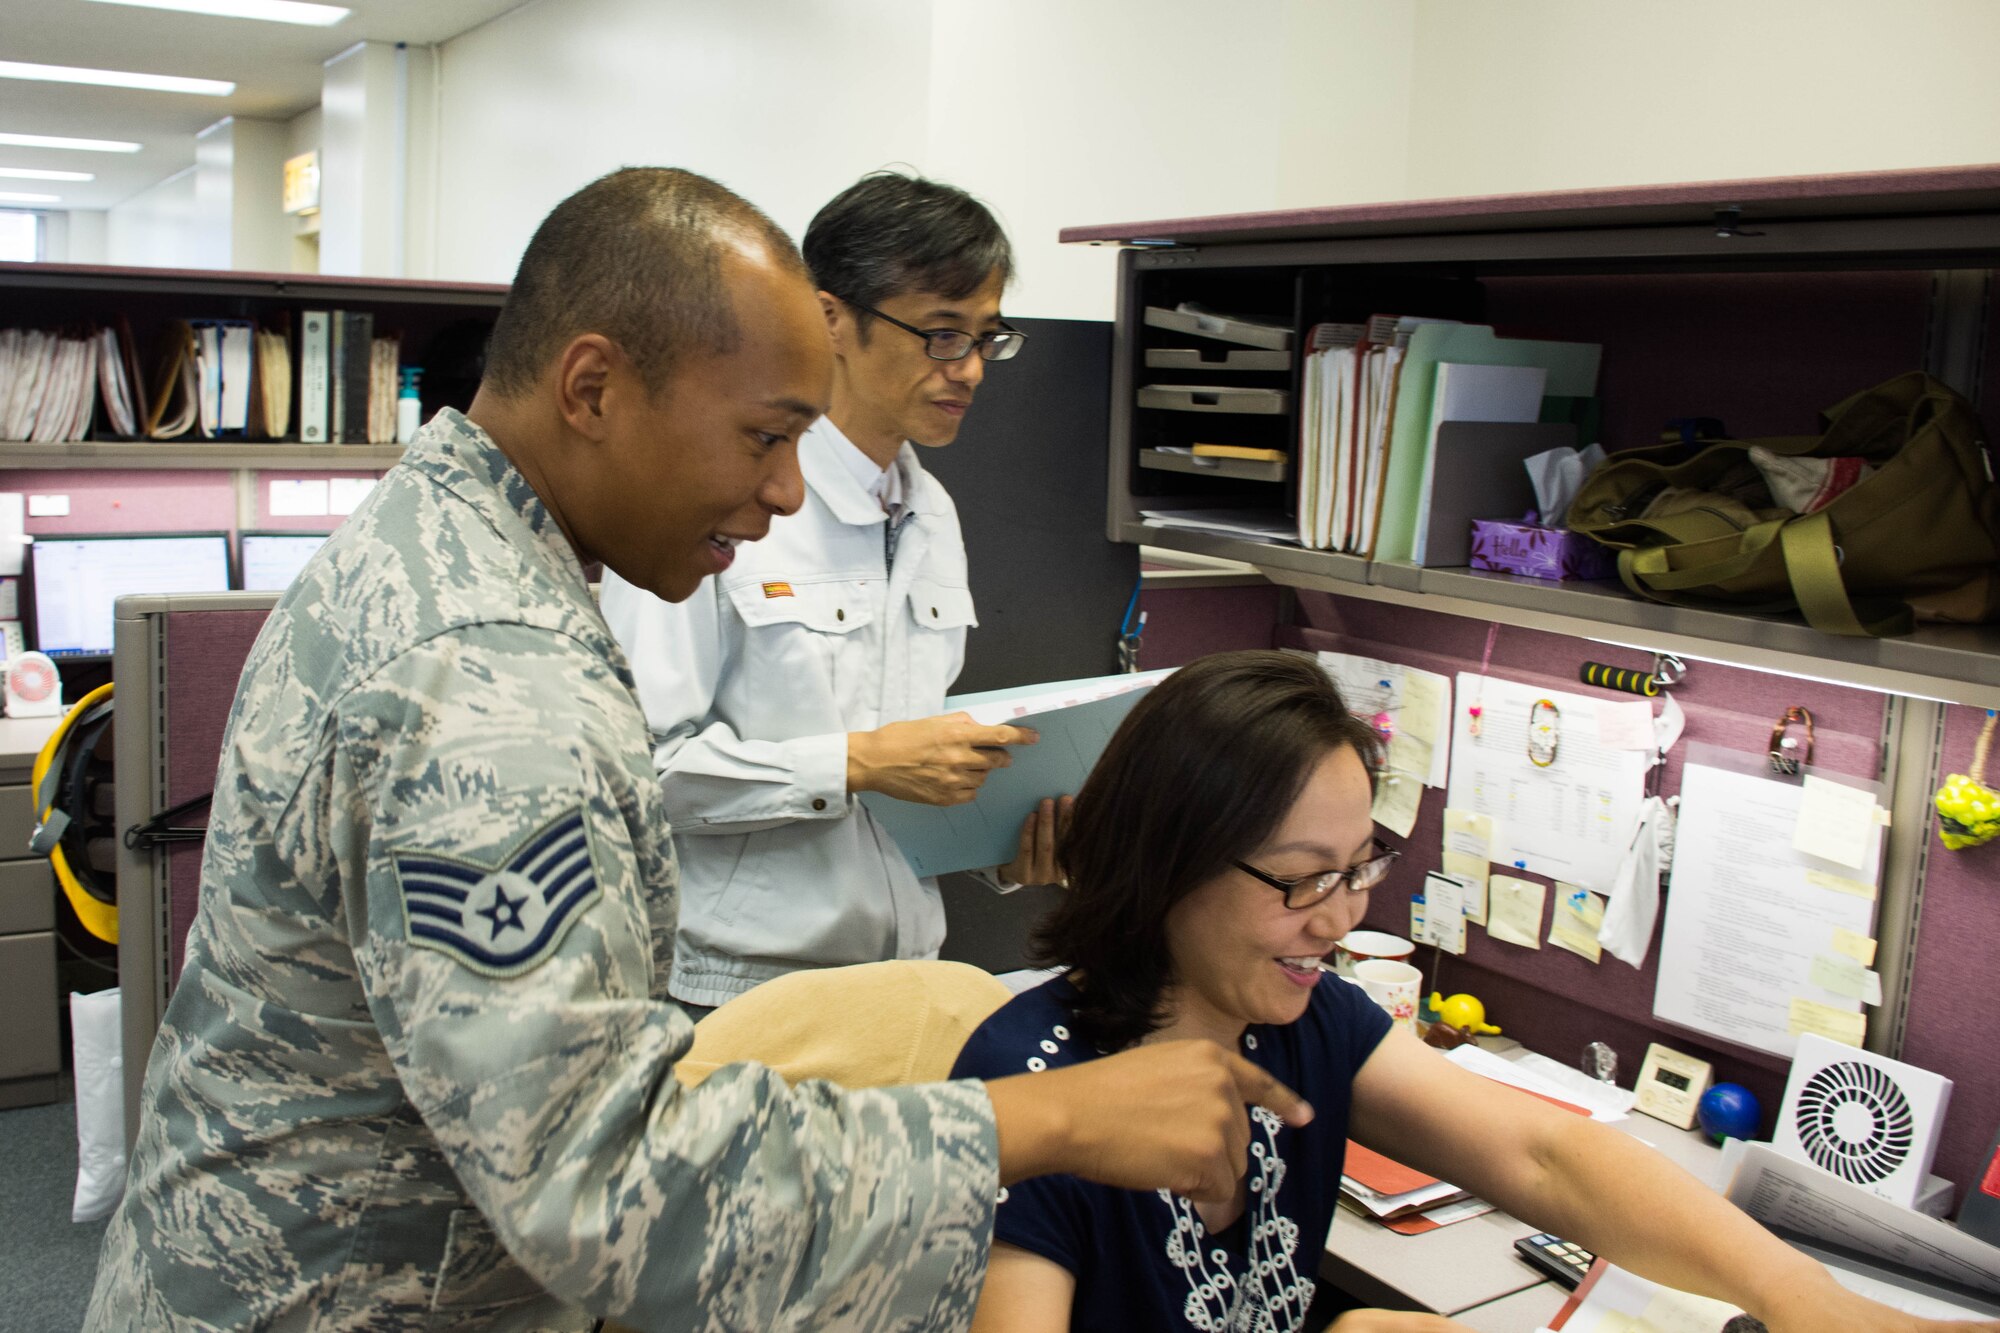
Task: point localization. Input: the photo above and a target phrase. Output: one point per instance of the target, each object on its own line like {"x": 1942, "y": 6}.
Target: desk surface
{"x": 1522, "y": 1312}
{"x": 1472, "y": 1264}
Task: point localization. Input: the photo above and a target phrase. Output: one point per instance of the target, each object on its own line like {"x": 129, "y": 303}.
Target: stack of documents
{"x": 1346, "y": 390}
{"x": 48, "y": 386}
{"x": 1401, "y": 1198}
{"x": 1257, "y": 525}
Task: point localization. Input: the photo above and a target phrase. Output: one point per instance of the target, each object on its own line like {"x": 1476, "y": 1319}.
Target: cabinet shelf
{"x": 1953, "y": 663}
{"x": 178, "y": 455}
{"x": 1243, "y": 469}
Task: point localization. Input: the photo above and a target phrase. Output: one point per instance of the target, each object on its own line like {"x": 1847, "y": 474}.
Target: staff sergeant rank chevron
{"x": 501, "y": 921}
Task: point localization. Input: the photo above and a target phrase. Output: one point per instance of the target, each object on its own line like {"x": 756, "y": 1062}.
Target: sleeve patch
{"x": 504, "y": 920}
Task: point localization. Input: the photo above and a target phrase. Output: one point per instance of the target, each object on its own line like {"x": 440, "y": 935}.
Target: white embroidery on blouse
{"x": 1271, "y": 1295}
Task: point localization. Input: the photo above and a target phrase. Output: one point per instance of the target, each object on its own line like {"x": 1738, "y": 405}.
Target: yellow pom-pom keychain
{"x": 1968, "y": 809}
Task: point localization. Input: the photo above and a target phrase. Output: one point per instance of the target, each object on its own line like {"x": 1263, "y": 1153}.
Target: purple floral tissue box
{"x": 1539, "y": 553}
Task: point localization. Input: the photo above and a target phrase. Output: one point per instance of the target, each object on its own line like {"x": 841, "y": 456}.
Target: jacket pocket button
{"x": 839, "y": 614}
{"x": 819, "y": 802}
{"x": 934, "y": 613}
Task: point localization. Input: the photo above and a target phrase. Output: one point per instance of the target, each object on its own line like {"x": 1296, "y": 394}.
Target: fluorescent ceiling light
{"x": 275, "y": 11}
{"x": 115, "y": 78}
{"x": 35, "y": 174}
{"x": 78, "y": 145}
{"x": 9, "y": 197}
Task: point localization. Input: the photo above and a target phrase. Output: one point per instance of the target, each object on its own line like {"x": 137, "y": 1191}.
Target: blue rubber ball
{"x": 1729, "y": 1111}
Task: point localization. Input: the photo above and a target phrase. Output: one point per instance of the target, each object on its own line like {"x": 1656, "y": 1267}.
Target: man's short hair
{"x": 889, "y": 233}
{"x": 636, "y": 256}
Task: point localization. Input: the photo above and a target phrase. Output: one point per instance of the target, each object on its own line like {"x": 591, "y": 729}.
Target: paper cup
{"x": 1393, "y": 986}
{"x": 1358, "y": 946}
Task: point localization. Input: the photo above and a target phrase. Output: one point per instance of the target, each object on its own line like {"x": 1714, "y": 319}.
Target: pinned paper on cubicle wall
{"x": 1578, "y": 916}
{"x": 1748, "y": 951}
{"x": 1444, "y": 911}
{"x": 1414, "y": 706}
{"x": 299, "y": 498}
{"x": 1514, "y": 910}
{"x": 1397, "y": 799}
{"x": 1625, "y": 726}
{"x": 1837, "y": 822}
{"x": 1858, "y": 947}
{"x": 1469, "y": 839}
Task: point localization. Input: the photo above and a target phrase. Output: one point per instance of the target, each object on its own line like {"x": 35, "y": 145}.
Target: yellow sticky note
{"x": 1578, "y": 916}
{"x": 1473, "y": 872}
{"x": 1397, "y": 796}
{"x": 1515, "y": 910}
{"x": 1468, "y": 850}
{"x": 1858, "y": 947}
{"x": 1414, "y": 746}
{"x": 1836, "y": 822}
{"x": 1841, "y": 884}
{"x": 1829, "y": 1022}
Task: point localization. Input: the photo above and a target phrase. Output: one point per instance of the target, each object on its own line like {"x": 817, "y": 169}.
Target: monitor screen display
{"x": 77, "y": 579}
{"x": 271, "y": 560}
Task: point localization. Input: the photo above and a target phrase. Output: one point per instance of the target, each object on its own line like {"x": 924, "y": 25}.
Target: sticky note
{"x": 1625, "y": 726}
{"x": 299, "y": 499}
{"x": 1858, "y": 947}
{"x": 1841, "y": 884}
{"x": 1397, "y": 796}
{"x": 1838, "y": 975}
{"x": 1444, "y": 912}
{"x": 1514, "y": 910}
{"x": 1413, "y": 747}
{"x": 1837, "y": 822}
{"x": 1578, "y": 916}
{"x": 1468, "y": 852}
{"x": 1827, "y": 1021}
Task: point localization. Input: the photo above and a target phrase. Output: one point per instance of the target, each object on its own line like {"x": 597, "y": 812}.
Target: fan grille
{"x": 32, "y": 678}
{"x": 1855, "y": 1122}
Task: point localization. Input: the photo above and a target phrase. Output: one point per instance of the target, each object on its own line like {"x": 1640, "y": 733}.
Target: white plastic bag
{"x": 97, "y": 1045}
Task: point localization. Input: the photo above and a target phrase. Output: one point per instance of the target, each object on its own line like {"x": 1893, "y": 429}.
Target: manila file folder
{"x": 1478, "y": 474}
{"x": 1075, "y": 719}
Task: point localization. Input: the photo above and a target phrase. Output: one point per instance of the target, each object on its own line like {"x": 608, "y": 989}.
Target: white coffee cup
{"x": 1358, "y": 946}
{"x": 1395, "y": 987}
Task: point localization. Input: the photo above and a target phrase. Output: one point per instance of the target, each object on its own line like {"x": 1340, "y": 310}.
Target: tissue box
{"x": 1539, "y": 553}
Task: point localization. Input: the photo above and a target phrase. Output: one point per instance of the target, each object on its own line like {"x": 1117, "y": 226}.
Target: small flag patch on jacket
{"x": 777, "y": 590}
{"x": 501, "y": 920}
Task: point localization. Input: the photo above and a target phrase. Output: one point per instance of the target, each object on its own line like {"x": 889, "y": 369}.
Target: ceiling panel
{"x": 276, "y": 68}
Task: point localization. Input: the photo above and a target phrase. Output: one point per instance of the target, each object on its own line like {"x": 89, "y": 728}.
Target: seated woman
{"x": 1221, "y": 846}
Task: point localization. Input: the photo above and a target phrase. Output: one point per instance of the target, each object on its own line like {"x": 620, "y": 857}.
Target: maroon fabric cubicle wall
{"x": 205, "y": 652}
{"x": 1555, "y": 1001}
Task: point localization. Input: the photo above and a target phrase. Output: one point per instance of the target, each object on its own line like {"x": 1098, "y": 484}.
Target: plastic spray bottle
{"x": 409, "y": 408}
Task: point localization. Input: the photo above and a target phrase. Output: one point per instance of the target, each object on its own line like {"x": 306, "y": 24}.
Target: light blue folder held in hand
{"x": 1075, "y": 718}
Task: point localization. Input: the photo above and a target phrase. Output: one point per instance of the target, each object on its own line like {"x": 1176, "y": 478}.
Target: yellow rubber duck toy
{"x": 1465, "y": 1013}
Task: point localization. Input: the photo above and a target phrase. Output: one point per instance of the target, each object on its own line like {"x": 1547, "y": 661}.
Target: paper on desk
{"x": 1075, "y": 718}
{"x": 1612, "y": 1300}
{"x": 1416, "y": 702}
{"x": 1836, "y": 822}
{"x": 1574, "y": 924}
{"x": 1468, "y": 853}
{"x": 1781, "y": 1192}
{"x": 1571, "y": 820}
{"x": 1514, "y": 910}
{"x": 1746, "y": 913}
{"x": 1546, "y": 1078}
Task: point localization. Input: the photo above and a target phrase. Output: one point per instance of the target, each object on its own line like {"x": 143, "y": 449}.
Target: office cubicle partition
{"x": 176, "y": 660}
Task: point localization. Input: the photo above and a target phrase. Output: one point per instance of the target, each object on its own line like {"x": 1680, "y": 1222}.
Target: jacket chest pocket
{"x": 940, "y": 613}
{"x": 809, "y": 627}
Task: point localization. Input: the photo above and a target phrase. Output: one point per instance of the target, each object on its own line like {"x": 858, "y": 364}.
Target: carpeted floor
{"x": 46, "y": 1261}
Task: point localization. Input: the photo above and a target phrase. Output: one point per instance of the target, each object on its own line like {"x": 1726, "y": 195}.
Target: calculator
{"x": 1563, "y": 1260}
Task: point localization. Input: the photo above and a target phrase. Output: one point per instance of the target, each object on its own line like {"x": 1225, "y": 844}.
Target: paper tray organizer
{"x": 1226, "y": 328}
{"x": 1193, "y": 358}
{"x": 1214, "y": 398}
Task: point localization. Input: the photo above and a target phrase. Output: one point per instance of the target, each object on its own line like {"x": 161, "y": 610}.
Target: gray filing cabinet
{"x": 30, "y": 1042}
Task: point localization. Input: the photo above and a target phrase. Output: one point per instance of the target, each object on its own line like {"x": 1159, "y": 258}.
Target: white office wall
{"x": 89, "y": 239}
{"x": 239, "y": 166}
{"x": 161, "y": 227}
{"x": 361, "y": 164}
{"x": 1567, "y": 94}
{"x": 1059, "y": 113}
{"x": 783, "y": 100}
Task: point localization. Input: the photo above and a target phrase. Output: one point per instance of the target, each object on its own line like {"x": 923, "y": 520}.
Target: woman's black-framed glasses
{"x": 1003, "y": 344}
{"x": 1311, "y": 889}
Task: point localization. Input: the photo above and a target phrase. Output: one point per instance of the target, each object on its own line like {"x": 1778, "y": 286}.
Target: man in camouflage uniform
{"x": 417, "y": 1071}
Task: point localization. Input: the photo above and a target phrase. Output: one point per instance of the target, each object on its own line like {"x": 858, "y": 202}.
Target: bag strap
{"x": 1813, "y": 565}
{"x": 1653, "y": 565}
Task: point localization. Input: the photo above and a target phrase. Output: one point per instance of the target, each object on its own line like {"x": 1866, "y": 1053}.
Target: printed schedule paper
{"x": 1750, "y": 918}
{"x": 1571, "y": 819}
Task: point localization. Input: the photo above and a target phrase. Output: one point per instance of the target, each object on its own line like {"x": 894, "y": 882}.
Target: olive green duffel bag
{"x": 1917, "y": 536}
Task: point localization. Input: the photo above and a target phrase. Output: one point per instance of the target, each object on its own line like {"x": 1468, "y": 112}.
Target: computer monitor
{"x": 271, "y": 560}
{"x": 75, "y": 580}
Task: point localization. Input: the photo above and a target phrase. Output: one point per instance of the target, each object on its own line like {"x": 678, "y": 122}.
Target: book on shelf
{"x": 351, "y": 350}
{"x": 176, "y": 390}
{"x": 274, "y": 379}
{"x": 315, "y": 375}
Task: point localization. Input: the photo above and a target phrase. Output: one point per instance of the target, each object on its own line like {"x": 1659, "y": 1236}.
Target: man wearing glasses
{"x": 815, "y": 665}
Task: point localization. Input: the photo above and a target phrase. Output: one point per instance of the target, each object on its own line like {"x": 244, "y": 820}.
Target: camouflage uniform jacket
{"x": 417, "y": 1070}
